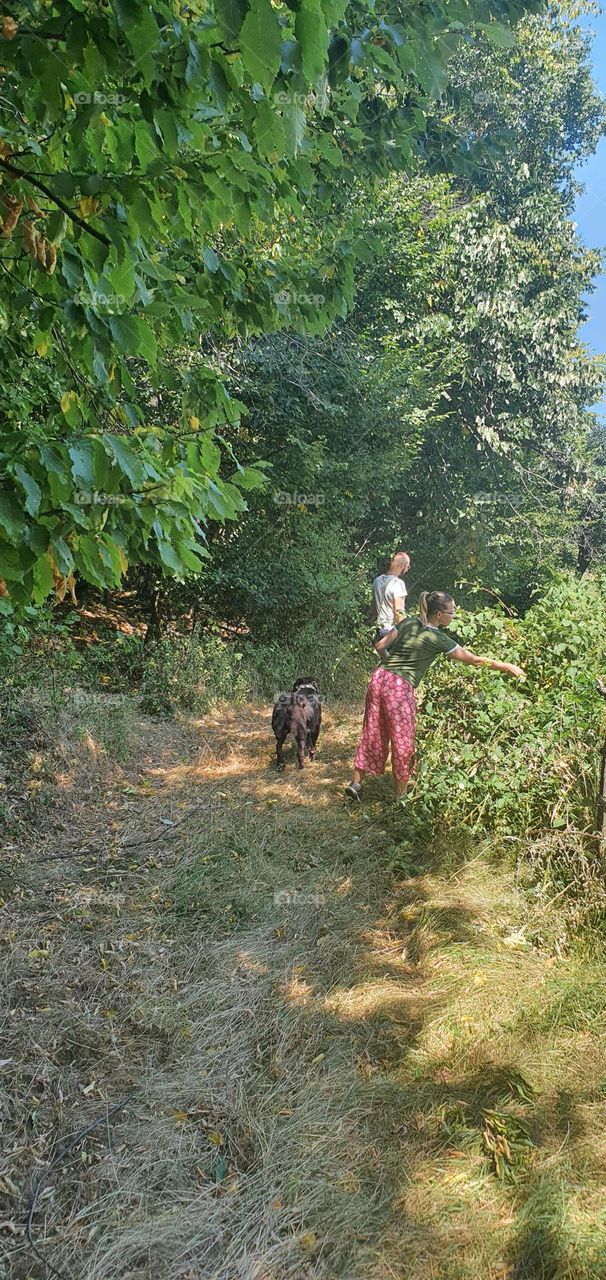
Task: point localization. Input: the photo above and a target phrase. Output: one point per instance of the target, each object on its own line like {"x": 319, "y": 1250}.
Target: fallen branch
{"x": 133, "y": 844}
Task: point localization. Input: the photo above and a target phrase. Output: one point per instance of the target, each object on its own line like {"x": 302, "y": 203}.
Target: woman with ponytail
{"x": 407, "y": 652}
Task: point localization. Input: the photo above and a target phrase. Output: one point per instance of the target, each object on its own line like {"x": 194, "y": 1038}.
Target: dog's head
{"x": 305, "y": 682}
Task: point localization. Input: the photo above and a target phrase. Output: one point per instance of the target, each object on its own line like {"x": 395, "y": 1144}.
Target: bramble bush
{"x": 518, "y": 759}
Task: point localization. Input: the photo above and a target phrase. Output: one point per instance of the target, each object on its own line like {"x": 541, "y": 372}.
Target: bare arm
{"x": 474, "y": 660}
{"x": 380, "y": 645}
{"x": 399, "y": 607}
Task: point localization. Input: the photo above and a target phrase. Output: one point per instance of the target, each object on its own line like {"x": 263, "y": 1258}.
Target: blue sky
{"x": 590, "y": 213}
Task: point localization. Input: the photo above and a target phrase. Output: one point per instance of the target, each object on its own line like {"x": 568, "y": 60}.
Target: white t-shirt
{"x": 389, "y": 593}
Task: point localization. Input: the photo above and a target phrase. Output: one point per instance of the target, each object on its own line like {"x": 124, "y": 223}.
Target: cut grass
{"x": 347, "y": 1059}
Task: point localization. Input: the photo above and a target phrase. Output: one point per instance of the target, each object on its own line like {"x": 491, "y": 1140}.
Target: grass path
{"x": 347, "y": 1058}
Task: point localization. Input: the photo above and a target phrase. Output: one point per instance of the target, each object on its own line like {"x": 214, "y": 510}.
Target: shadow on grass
{"x": 541, "y": 1250}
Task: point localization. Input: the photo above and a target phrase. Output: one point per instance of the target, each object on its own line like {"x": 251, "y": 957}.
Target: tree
{"x": 165, "y": 172}
{"x": 449, "y": 410}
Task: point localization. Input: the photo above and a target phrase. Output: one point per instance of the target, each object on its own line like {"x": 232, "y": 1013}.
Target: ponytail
{"x": 432, "y": 602}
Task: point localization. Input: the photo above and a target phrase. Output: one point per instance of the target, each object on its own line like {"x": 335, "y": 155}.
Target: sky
{"x": 590, "y": 212}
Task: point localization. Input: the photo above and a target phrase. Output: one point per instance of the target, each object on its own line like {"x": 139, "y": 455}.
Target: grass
{"x": 348, "y": 1059}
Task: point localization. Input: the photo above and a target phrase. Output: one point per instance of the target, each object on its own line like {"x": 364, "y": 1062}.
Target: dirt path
{"x": 342, "y": 1057}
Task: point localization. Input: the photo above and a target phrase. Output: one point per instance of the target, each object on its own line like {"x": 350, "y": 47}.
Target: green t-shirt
{"x": 414, "y": 649}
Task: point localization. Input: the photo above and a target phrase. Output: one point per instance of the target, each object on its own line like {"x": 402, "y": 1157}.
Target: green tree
{"x": 165, "y": 169}
{"x": 449, "y": 410}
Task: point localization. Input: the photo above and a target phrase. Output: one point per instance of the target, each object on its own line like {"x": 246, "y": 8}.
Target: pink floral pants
{"x": 390, "y": 714}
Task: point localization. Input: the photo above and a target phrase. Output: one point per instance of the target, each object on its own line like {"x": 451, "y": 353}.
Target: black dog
{"x": 300, "y": 714}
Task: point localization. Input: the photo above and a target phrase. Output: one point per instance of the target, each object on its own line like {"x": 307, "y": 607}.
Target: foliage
{"x": 192, "y": 674}
{"x": 166, "y": 170}
{"x": 518, "y": 760}
{"x": 448, "y": 412}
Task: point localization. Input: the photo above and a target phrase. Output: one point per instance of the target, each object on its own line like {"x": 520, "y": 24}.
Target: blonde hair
{"x": 432, "y": 602}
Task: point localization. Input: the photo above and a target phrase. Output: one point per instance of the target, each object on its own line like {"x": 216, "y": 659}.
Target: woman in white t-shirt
{"x": 389, "y": 594}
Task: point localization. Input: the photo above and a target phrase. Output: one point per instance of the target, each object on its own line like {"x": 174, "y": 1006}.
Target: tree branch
{"x": 41, "y": 186}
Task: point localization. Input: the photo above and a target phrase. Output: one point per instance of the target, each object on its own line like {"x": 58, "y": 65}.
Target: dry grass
{"x": 326, "y": 1033}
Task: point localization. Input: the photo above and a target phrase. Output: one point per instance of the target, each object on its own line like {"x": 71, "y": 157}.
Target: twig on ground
{"x": 133, "y": 844}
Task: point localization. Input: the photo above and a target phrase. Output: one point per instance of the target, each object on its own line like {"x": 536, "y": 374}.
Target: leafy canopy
{"x": 172, "y": 173}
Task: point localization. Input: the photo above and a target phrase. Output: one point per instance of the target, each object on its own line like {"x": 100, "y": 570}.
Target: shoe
{"x": 354, "y": 790}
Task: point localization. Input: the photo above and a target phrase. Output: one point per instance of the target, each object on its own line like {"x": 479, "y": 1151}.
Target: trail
{"x": 351, "y": 1058}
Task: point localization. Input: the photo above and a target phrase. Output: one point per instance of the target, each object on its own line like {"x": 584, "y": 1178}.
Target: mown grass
{"x": 348, "y": 1059}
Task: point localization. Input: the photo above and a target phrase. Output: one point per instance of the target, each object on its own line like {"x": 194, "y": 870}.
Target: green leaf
{"x": 145, "y": 146}
{"x": 191, "y": 559}
{"x": 56, "y": 227}
{"x": 11, "y": 516}
{"x": 166, "y": 123}
{"x": 95, "y": 65}
{"x": 295, "y": 124}
{"x": 250, "y": 478}
{"x": 500, "y": 37}
{"x": 33, "y": 492}
{"x": 261, "y": 43}
{"x": 43, "y": 579}
{"x": 170, "y": 558}
{"x": 134, "y": 336}
{"x": 83, "y": 463}
{"x": 62, "y": 556}
{"x": 312, "y": 33}
{"x": 93, "y": 567}
{"x": 230, "y": 14}
{"x": 269, "y": 130}
{"x": 143, "y": 37}
{"x": 127, "y": 460}
{"x": 211, "y": 261}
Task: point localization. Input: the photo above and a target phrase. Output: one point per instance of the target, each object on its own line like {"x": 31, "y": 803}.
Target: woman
{"x": 390, "y": 714}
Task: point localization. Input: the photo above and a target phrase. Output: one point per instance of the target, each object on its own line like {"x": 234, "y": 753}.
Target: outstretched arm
{"x": 474, "y": 660}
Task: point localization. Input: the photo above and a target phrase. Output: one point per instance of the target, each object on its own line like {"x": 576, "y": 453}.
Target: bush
{"x": 192, "y": 674}
{"x": 518, "y": 759}
{"x": 341, "y": 663}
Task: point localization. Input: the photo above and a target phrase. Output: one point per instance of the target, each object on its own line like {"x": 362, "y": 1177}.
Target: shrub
{"x": 518, "y": 759}
{"x": 192, "y": 674}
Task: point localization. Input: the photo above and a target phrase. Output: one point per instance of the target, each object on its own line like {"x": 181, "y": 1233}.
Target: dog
{"x": 300, "y": 714}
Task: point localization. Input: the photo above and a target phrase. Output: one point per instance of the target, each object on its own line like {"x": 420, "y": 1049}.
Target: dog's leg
{"x": 280, "y": 752}
{"x": 313, "y": 738}
{"x": 301, "y": 749}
